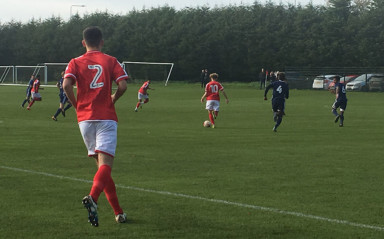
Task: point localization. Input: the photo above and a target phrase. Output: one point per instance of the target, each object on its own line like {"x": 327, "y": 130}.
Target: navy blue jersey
{"x": 60, "y": 85}
{"x": 30, "y": 84}
{"x": 342, "y": 92}
{"x": 29, "y": 87}
{"x": 280, "y": 90}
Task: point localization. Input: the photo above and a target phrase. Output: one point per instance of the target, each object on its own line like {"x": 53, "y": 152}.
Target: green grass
{"x": 177, "y": 179}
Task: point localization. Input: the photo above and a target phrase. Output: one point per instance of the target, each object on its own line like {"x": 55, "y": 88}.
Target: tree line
{"x": 235, "y": 41}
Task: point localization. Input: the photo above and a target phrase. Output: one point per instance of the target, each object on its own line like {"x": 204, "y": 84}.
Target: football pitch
{"x": 177, "y": 179}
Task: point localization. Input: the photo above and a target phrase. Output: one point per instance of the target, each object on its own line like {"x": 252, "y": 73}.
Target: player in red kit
{"x": 35, "y": 92}
{"x": 212, "y": 93}
{"x": 143, "y": 95}
{"x": 94, "y": 73}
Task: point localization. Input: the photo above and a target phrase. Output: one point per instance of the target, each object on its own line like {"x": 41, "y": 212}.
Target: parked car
{"x": 360, "y": 83}
{"x": 344, "y": 80}
{"x": 376, "y": 83}
{"x": 322, "y": 81}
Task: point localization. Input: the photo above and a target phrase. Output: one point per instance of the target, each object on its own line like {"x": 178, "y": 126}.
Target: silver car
{"x": 360, "y": 83}
{"x": 376, "y": 83}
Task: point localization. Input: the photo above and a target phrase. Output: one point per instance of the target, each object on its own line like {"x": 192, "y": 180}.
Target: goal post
{"x": 148, "y": 73}
{"x": 4, "y": 74}
{"x": 23, "y": 73}
{"x": 20, "y": 74}
{"x": 52, "y": 71}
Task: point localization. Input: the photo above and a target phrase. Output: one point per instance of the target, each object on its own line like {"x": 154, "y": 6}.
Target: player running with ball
{"x": 212, "y": 93}
{"x": 35, "y": 92}
{"x": 94, "y": 73}
{"x": 143, "y": 95}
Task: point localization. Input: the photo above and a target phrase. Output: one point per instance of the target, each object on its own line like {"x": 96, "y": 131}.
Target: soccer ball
{"x": 207, "y": 124}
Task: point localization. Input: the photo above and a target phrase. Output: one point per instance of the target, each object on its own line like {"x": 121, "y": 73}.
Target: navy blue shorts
{"x": 28, "y": 93}
{"x": 278, "y": 104}
{"x": 341, "y": 103}
{"x": 63, "y": 98}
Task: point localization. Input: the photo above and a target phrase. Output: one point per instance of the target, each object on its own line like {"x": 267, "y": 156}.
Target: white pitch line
{"x": 260, "y": 208}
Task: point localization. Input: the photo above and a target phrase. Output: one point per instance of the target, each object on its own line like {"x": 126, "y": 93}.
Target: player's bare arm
{"x": 226, "y": 97}
{"x": 68, "y": 89}
{"x": 121, "y": 88}
{"x": 266, "y": 91}
{"x": 337, "y": 90}
{"x": 265, "y": 96}
{"x": 203, "y": 97}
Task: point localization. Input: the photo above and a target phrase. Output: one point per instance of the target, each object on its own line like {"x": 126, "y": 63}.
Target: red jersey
{"x": 35, "y": 86}
{"x": 212, "y": 89}
{"x": 94, "y": 73}
{"x": 143, "y": 89}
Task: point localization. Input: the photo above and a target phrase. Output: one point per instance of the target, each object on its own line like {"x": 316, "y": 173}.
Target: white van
{"x": 322, "y": 81}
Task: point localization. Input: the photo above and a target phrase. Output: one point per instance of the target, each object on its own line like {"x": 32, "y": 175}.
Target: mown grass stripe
{"x": 218, "y": 201}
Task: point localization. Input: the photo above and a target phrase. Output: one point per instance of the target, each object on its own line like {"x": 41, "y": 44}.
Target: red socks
{"x": 104, "y": 182}
{"x": 110, "y": 193}
{"x": 100, "y": 180}
{"x": 211, "y": 118}
{"x": 31, "y": 103}
{"x": 139, "y": 103}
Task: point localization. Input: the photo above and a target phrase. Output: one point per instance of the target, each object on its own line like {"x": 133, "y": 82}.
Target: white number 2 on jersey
{"x": 94, "y": 84}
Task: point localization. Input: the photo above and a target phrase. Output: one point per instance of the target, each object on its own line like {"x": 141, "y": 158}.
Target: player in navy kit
{"x": 340, "y": 101}
{"x": 28, "y": 91}
{"x": 63, "y": 99}
{"x": 280, "y": 93}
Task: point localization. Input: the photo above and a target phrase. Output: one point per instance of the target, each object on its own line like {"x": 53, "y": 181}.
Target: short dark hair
{"x": 337, "y": 78}
{"x": 214, "y": 76}
{"x": 92, "y": 36}
{"x": 281, "y": 76}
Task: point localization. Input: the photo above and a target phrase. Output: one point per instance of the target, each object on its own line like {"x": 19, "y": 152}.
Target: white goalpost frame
{"x": 45, "y": 67}
{"x": 51, "y": 64}
{"x": 34, "y": 72}
{"x": 151, "y": 63}
{"x": 37, "y": 68}
{"x": 4, "y": 74}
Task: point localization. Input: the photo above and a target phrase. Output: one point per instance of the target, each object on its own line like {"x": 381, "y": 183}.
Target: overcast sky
{"x": 25, "y": 10}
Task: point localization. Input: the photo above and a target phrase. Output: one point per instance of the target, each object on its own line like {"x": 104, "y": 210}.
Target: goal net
{"x": 22, "y": 74}
{"x": 143, "y": 71}
{"x": 16, "y": 75}
{"x": 49, "y": 73}
{"x": 7, "y": 74}
{"x": 52, "y": 72}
